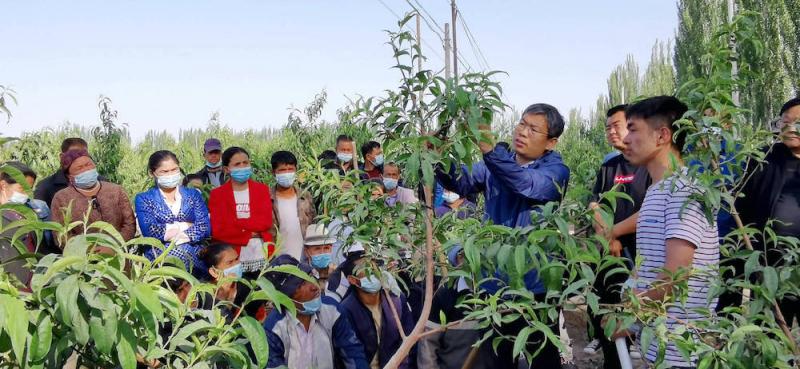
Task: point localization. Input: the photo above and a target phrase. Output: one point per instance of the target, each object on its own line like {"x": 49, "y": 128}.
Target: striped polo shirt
{"x": 668, "y": 211}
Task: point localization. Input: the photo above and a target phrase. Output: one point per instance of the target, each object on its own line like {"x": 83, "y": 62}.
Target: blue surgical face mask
{"x": 234, "y": 271}
{"x": 321, "y": 261}
{"x": 213, "y": 165}
{"x": 311, "y": 307}
{"x": 450, "y": 197}
{"x": 389, "y": 183}
{"x": 344, "y": 157}
{"x": 371, "y": 284}
{"x": 241, "y": 175}
{"x": 169, "y": 181}
{"x": 286, "y": 180}
{"x": 378, "y": 160}
{"x": 86, "y": 180}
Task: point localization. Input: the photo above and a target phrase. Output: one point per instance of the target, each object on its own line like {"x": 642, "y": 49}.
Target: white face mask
{"x": 450, "y": 197}
{"x": 18, "y": 198}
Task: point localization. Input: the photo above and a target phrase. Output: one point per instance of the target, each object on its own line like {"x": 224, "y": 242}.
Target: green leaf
{"x": 126, "y": 346}
{"x": 103, "y": 338}
{"x": 646, "y": 337}
{"x": 189, "y": 330}
{"x": 67, "y": 298}
{"x": 293, "y": 270}
{"x": 521, "y": 341}
{"x": 79, "y": 325}
{"x": 57, "y": 267}
{"x": 43, "y": 338}
{"x": 147, "y": 297}
{"x": 549, "y": 334}
{"x": 744, "y": 330}
{"x": 705, "y": 362}
{"x": 520, "y": 259}
{"x": 254, "y": 333}
{"x": 170, "y": 271}
{"x": 593, "y": 301}
{"x": 16, "y": 324}
{"x": 771, "y": 281}
{"x": 272, "y": 294}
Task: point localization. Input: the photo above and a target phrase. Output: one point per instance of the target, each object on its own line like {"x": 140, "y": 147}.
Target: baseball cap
{"x": 212, "y": 144}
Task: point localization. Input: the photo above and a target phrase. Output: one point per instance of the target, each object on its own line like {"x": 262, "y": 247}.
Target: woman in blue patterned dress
{"x": 173, "y": 214}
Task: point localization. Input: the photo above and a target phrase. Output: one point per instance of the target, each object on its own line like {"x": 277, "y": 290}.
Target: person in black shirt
{"x": 773, "y": 192}
{"x": 212, "y": 172}
{"x": 633, "y": 181}
{"x": 48, "y": 187}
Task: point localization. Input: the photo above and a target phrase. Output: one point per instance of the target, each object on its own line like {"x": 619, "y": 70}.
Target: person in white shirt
{"x": 292, "y": 207}
{"x": 394, "y": 192}
{"x": 318, "y": 336}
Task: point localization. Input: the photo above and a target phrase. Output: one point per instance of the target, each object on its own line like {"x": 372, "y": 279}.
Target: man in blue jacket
{"x": 513, "y": 184}
{"x": 318, "y": 337}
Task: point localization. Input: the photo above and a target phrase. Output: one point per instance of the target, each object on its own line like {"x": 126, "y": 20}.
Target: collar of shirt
{"x": 176, "y": 206}
{"x": 297, "y": 323}
{"x": 528, "y": 163}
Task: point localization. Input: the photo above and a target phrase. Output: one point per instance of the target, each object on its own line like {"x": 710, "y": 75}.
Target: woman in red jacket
{"x": 241, "y": 212}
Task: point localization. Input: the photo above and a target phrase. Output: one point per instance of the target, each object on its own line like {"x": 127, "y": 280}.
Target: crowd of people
{"x": 355, "y": 317}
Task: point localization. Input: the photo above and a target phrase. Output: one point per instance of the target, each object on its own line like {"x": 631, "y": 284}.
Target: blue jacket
{"x": 333, "y": 342}
{"x": 390, "y": 338}
{"x": 153, "y": 215}
{"x": 512, "y": 191}
{"x": 732, "y": 171}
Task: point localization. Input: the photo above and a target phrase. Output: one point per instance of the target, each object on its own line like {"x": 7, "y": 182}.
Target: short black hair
{"x": 661, "y": 111}
{"x": 392, "y": 164}
{"x": 72, "y": 141}
{"x": 790, "y": 104}
{"x": 368, "y": 147}
{"x": 159, "y": 157}
{"x": 210, "y": 254}
{"x": 22, "y": 168}
{"x": 504, "y": 145}
{"x": 327, "y": 155}
{"x": 343, "y": 138}
{"x": 328, "y": 159}
{"x": 349, "y": 265}
{"x": 230, "y": 152}
{"x": 616, "y": 109}
{"x": 555, "y": 122}
{"x": 282, "y": 157}
{"x": 191, "y": 177}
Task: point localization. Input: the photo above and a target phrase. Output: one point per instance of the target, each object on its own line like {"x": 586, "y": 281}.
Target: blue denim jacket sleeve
{"x": 542, "y": 184}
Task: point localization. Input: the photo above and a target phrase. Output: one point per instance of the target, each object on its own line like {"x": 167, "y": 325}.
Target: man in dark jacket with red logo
{"x": 633, "y": 181}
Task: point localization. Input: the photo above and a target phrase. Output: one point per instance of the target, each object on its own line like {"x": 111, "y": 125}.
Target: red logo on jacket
{"x": 623, "y": 179}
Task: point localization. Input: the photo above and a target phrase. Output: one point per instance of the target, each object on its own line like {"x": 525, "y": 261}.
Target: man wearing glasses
{"x": 773, "y": 192}
{"x": 513, "y": 184}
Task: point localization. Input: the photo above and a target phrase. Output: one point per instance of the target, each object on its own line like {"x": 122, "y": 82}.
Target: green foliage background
{"x": 750, "y": 336}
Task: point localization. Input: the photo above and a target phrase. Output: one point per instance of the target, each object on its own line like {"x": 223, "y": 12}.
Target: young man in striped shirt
{"x": 673, "y": 232}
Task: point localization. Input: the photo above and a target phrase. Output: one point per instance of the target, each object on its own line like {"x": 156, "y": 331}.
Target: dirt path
{"x": 574, "y": 335}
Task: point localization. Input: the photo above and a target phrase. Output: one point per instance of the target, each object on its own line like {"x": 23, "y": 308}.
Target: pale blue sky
{"x": 169, "y": 64}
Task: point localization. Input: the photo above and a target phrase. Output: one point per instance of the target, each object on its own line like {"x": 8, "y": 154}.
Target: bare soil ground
{"x": 574, "y": 335}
